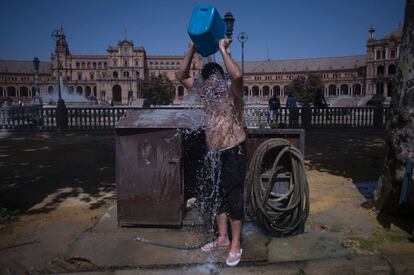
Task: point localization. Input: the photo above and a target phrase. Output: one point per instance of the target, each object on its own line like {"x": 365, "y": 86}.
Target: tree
{"x": 400, "y": 128}
{"x": 159, "y": 90}
{"x": 312, "y": 86}
{"x": 305, "y": 89}
{"x": 297, "y": 87}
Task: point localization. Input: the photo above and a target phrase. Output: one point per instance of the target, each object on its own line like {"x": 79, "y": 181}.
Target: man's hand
{"x": 224, "y": 44}
{"x": 191, "y": 45}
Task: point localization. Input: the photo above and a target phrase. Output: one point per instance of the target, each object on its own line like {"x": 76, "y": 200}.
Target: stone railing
{"x": 15, "y": 118}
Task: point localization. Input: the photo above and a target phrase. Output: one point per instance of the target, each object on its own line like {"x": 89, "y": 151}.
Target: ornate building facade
{"x": 118, "y": 75}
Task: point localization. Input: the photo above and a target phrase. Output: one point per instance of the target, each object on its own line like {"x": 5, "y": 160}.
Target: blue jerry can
{"x": 206, "y": 28}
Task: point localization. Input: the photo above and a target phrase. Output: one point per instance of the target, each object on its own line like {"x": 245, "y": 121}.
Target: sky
{"x": 278, "y": 29}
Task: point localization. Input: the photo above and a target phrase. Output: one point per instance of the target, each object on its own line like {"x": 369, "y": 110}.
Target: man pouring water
{"x": 225, "y": 139}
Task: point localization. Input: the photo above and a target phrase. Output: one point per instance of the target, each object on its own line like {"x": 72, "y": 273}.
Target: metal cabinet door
{"x": 149, "y": 181}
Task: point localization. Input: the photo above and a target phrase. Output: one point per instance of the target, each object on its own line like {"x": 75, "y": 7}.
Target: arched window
{"x": 357, "y": 89}
{"x": 88, "y": 91}
{"x": 24, "y": 91}
{"x": 332, "y": 89}
{"x": 276, "y": 90}
{"x": 99, "y": 65}
{"x": 105, "y": 65}
{"x": 390, "y": 87}
{"x": 344, "y": 89}
{"x": 266, "y": 90}
{"x": 79, "y": 90}
{"x": 77, "y": 65}
{"x": 115, "y": 75}
{"x": 83, "y": 65}
{"x": 126, "y": 74}
{"x": 245, "y": 91}
{"x": 180, "y": 92}
{"x": 255, "y": 91}
{"x": 89, "y": 65}
{"x": 11, "y": 91}
{"x": 378, "y": 55}
{"x": 94, "y": 65}
{"x": 71, "y": 89}
{"x": 117, "y": 93}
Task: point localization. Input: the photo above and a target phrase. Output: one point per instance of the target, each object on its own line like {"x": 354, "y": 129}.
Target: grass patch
{"x": 8, "y": 216}
{"x": 379, "y": 239}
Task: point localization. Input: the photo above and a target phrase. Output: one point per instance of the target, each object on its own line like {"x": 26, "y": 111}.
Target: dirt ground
{"x": 68, "y": 179}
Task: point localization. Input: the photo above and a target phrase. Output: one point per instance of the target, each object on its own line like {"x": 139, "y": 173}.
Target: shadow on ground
{"x": 33, "y": 166}
{"x": 358, "y": 154}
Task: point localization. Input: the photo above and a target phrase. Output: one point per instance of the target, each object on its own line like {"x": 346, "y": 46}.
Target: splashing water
{"x": 221, "y": 125}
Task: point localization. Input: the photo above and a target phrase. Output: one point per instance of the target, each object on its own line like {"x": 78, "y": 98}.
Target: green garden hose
{"x": 279, "y": 214}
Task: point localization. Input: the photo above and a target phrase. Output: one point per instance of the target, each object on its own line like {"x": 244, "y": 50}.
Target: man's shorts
{"x": 231, "y": 184}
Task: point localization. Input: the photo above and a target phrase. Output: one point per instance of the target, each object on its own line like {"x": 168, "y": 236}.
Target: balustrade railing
{"x": 103, "y": 118}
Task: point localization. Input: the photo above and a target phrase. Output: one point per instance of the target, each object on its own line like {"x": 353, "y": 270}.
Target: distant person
{"x": 274, "y": 105}
{"x": 111, "y": 103}
{"x": 146, "y": 104}
{"x": 291, "y": 101}
{"x": 291, "y": 104}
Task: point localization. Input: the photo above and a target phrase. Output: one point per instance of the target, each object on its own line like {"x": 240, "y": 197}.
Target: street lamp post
{"x": 61, "y": 111}
{"x": 242, "y": 37}
{"x": 229, "y": 20}
{"x": 37, "y": 99}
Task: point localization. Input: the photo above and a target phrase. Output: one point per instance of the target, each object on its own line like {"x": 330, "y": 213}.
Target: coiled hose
{"x": 280, "y": 214}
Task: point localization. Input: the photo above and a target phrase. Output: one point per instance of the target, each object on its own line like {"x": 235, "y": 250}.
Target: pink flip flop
{"x": 213, "y": 246}
{"x": 236, "y": 258}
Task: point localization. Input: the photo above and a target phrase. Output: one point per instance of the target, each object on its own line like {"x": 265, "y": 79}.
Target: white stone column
{"x": 385, "y": 89}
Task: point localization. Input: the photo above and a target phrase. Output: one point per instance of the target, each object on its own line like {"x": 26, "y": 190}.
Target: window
{"x": 92, "y": 76}
{"x": 391, "y": 69}
{"x": 105, "y": 65}
{"x": 94, "y": 65}
{"x": 136, "y": 62}
{"x": 83, "y": 65}
{"x": 380, "y": 70}
{"x": 383, "y": 54}
{"x": 89, "y": 65}
{"x": 125, "y": 62}
{"x": 126, "y": 74}
{"x": 115, "y": 75}
{"x": 79, "y": 76}
{"x": 114, "y": 62}
{"x": 77, "y": 65}
{"x": 392, "y": 54}
{"x": 378, "y": 55}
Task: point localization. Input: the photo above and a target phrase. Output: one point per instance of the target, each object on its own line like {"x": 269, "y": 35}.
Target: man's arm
{"x": 233, "y": 69}
{"x": 183, "y": 73}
